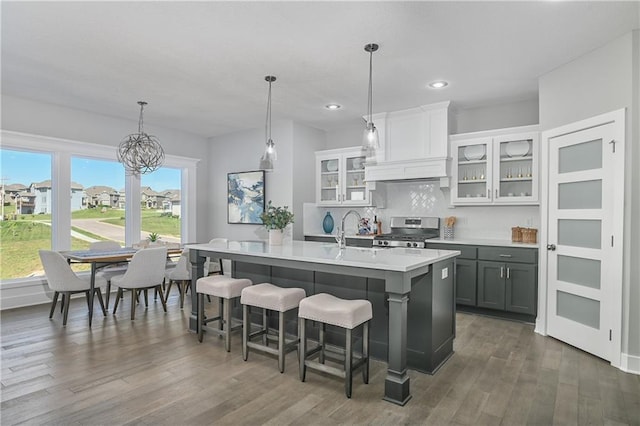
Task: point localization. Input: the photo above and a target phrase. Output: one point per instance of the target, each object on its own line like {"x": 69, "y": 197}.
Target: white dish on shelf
{"x": 358, "y": 164}
{"x": 518, "y": 148}
{"x": 474, "y": 152}
{"x": 332, "y": 165}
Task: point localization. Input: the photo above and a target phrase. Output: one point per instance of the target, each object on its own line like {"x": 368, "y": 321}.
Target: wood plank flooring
{"x": 153, "y": 371}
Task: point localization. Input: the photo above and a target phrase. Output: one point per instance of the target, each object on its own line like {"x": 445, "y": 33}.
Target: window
{"x": 26, "y": 225}
{"x": 98, "y": 202}
{"x": 45, "y": 167}
{"x": 160, "y": 204}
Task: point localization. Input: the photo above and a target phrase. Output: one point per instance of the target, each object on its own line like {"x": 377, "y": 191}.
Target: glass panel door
{"x": 355, "y": 188}
{"x": 580, "y": 215}
{"x": 474, "y": 171}
{"x": 329, "y": 180}
{"x": 516, "y": 169}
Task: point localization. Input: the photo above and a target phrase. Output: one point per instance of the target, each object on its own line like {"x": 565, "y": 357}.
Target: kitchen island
{"x": 415, "y": 300}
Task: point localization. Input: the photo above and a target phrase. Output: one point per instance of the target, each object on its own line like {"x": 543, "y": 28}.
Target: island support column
{"x": 396, "y": 385}
{"x": 197, "y": 271}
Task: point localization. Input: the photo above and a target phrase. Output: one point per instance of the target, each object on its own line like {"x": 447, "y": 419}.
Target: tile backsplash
{"x": 425, "y": 198}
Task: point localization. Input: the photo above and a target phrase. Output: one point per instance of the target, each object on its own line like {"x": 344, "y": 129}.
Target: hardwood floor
{"x": 152, "y": 371}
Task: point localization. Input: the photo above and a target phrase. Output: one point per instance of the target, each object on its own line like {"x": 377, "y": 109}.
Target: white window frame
{"x": 61, "y": 151}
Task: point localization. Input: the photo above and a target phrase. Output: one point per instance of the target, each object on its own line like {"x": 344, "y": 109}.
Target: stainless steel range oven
{"x": 409, "y": 232}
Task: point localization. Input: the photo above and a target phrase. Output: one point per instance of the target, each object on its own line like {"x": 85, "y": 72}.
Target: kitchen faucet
{"x": 340, "y": 238}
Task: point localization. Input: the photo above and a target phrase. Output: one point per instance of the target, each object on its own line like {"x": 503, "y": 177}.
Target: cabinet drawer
{"x": 508, "y": 254}
{"x": 466, "y": 252}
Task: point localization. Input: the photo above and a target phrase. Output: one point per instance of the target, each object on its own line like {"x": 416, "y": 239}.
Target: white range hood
{"x": 414, "y": 145}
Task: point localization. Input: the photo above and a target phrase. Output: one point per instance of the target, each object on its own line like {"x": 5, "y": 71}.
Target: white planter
{"x": 275, "y": 237}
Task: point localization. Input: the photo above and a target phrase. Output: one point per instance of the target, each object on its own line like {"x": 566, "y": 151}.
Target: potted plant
{"x": 276, "y": 219}
{"x": 154, "y": 238}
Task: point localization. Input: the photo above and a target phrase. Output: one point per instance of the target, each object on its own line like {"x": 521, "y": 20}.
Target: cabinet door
{"x": 491, "y": 285}
{"x": 515, "y": 177}
{"x": 354, "y": 188}
{"x": 472, "y": 174}
{"x": 466, "y": 276}
{"x": 521, "y": 288}
{"x": 328, "y": 170}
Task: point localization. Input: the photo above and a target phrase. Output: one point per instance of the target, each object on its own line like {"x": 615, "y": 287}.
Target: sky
{"x": 28, "y": 167}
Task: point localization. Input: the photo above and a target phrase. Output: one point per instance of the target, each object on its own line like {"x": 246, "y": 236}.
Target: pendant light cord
{"x": 267, "y": 125}
{"x": 370, "y": 104}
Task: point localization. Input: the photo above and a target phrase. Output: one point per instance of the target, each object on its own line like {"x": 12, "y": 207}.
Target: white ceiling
{"x": 201, "y": 65}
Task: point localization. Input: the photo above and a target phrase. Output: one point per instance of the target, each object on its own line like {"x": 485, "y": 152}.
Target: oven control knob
{"x": 386, "y": 243}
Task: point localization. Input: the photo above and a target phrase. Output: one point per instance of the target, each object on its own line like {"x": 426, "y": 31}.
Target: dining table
{"x": 101, "y": 258}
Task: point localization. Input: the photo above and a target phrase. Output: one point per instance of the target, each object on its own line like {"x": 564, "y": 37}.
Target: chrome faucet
{"x": 341, "y": 238}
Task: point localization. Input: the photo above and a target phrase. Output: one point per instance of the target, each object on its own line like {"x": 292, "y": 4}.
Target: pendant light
{"x": 270, "y": 155}
{"x": 140, "y": 152}
{"x": 370, "y": 141}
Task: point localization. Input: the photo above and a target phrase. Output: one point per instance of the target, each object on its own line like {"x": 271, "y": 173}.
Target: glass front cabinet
{"x": 340, "y": 178}
{"x": 495, "y": 169}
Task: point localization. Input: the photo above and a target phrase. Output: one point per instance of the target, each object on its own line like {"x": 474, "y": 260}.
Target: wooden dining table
{"x": 101, "y": 258}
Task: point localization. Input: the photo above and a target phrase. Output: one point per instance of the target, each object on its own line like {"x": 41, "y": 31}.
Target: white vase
{"x": 275, "y": 237}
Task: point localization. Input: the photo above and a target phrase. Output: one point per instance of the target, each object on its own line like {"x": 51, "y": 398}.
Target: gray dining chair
{"x": 146, "y": 270}
{"x": 63, "y": 280}
{"x": 108, "y": 271}
{"x": 180, "y": 275}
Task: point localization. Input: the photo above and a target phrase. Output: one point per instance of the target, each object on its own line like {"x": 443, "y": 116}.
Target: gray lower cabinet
{"x": 466, "y": 271}
{"x": 501, "y": 281}
{"x": 353, "y": 242}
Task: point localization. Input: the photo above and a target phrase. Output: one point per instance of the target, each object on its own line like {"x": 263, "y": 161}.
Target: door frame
{"x": 616, "y": 274}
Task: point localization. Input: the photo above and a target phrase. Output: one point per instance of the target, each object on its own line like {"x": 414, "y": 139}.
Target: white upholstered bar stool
{"x": 269, "y": 297}
{"x": 348, "y": 314}
{"x": 226, "y": 289}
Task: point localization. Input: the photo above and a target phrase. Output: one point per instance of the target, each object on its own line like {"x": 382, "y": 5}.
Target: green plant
{"x": 276, "y": 217}
{"x": 154, "y": 236}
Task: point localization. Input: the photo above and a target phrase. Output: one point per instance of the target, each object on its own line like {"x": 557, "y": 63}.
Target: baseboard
{"x": 630, "y": 363}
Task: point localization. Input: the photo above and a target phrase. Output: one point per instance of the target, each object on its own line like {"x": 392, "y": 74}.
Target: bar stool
{"x": 347, "y": 314}
{"x": 225, "y": 289}
{"x": 268, "y": 297}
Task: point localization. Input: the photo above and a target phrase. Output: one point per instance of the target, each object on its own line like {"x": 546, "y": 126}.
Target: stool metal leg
{"x": 365, "y": 352}
{"x": 323, "y": 328}
{"x": 302, "y": 348}
{"x": 265, "y": 326}
{"x": 227, "y": 326}
{"x": 281, "y": 341}
{"x": 200, "y": 326}
{"x": 348, "y": 362}
{"x": 246, "y": 325}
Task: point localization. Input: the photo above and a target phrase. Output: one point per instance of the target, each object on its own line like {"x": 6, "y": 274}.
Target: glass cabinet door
{"x": 329, "y": 180}
{"x": 473, "y": 171}
{"x": 515, "y": 170}
{"x": 354, "y": 187}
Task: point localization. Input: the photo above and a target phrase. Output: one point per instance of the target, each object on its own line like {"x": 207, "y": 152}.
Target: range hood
{"x": 414, "y": 145}
{"x": 420, "y": 169}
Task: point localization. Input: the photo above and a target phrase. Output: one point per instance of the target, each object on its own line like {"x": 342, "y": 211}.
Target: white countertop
{"x": 386, "y": 259}
{"x": 362, "y": 237}
{"x": 482, "y": 242}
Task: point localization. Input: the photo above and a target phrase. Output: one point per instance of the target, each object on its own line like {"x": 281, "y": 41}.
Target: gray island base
{"x": 412, "y": 292}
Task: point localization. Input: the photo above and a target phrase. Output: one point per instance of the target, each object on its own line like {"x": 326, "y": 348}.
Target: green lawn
{"x": 21, "y": 239}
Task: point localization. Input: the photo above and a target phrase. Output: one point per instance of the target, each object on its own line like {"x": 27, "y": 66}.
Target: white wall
{"x": 605, "y": 80}
{"x": 498, "y": 116}
{"x": 291, "y": 183}
{"x": 27, "y": 116}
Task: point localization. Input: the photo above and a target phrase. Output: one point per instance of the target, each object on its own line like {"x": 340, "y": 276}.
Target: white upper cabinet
{"x": 495, "y": 167}
{"x": 340, "y": 178}
{"x": 413, "y": 144}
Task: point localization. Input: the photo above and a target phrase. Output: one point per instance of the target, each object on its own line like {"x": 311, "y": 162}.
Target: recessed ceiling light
{"x": 438, "y": 84}
{"x": 333, "y": 106}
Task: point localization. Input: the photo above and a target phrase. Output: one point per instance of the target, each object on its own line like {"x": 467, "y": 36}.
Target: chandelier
{"x": 140, "y": 152}
{"x": 370, "y": 141}
{"x": 270, "y": 155}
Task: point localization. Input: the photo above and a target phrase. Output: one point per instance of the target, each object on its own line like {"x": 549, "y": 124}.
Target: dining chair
{"x": 146, "y": 270}
{"x": 213, "y": 265}
{"x": 107, "y": 270}
{"x": 63, "y": 280}
{"x": 180, "y": 275}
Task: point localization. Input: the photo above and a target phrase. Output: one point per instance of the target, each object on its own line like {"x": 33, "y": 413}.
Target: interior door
{"x": 583, "y": 293}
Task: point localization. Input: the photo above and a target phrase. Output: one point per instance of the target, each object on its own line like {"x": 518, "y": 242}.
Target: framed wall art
{"x": 245, "y": 197}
